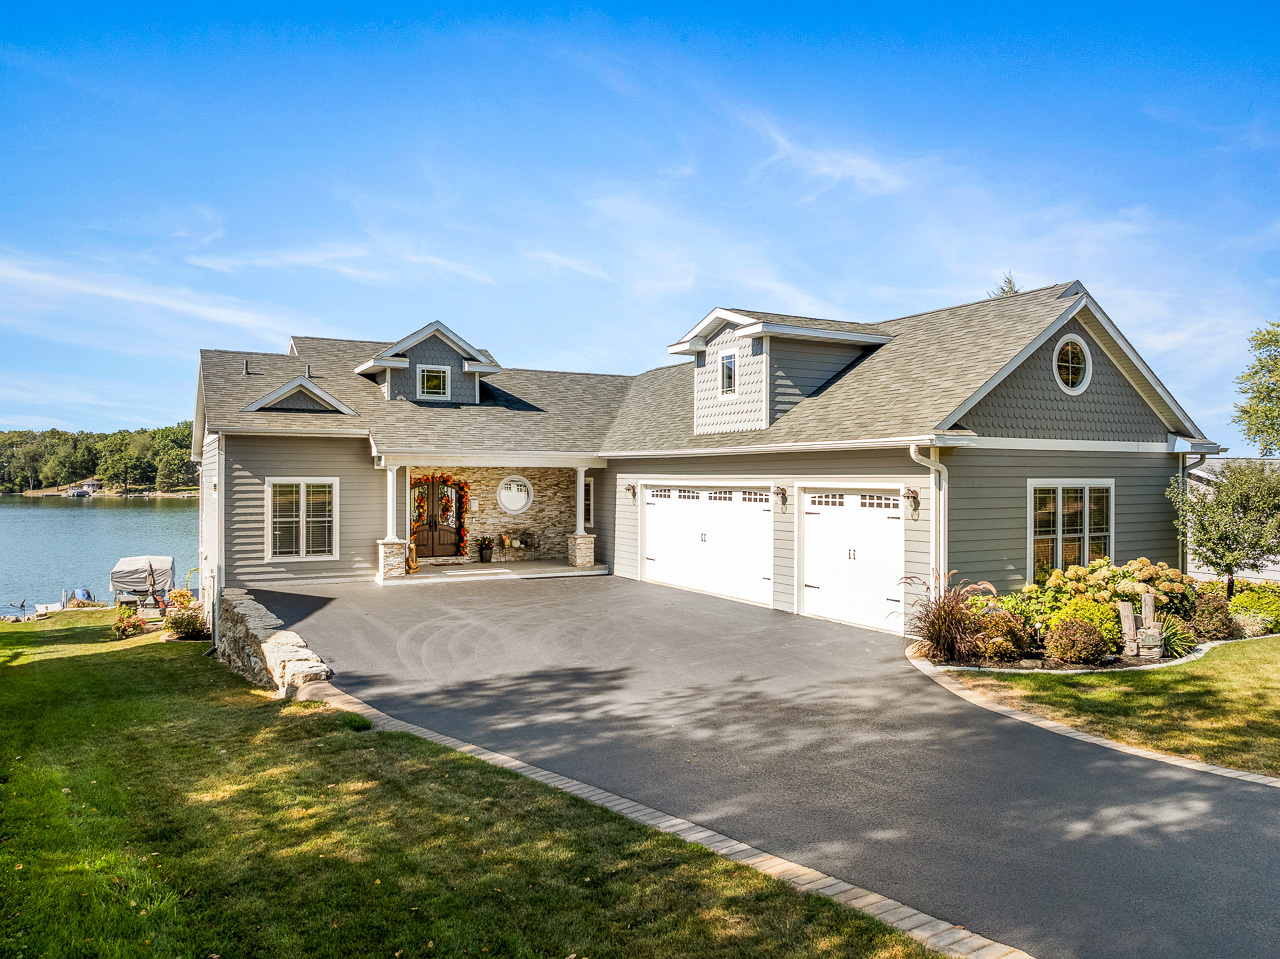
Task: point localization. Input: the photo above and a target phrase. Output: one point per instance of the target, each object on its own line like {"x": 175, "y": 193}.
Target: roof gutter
{"x": 937, "y": 513}
{"x": 822, "y": 446}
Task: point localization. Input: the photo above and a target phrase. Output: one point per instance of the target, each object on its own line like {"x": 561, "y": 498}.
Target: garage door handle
{"x": 807, "y": 586}
{"x": 892, "y": 600}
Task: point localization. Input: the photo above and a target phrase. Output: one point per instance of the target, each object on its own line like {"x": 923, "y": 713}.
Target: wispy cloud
{"x": 60, "y": 280}
{"x": 832, "y": 166}
{"x": 560, "y": 263}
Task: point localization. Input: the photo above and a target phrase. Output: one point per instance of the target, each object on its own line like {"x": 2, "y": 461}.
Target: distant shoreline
{"x": 144, "y": 494}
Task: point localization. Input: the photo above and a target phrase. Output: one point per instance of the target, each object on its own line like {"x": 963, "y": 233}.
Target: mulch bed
{"x": 1048, "y": 663}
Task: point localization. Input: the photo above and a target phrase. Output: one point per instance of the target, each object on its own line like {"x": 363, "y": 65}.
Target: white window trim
{"x": 1035, "y": 484}
{"x": 589, "y": 500}
{"x": 737, "y": 372}
{"x": 1088, "y": 364}
{"x": 448, "y": 383}
{"x": 302, "y": 557}
{"x": 506, "y": 479}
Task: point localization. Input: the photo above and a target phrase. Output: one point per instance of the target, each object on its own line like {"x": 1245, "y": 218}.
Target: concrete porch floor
{"x": 516, "y": 569}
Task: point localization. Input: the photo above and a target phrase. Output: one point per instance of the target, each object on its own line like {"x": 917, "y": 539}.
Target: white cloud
{"x": 831, "y": 165}
{"x": 560, "y": 263}
{"x": 61, "y": 281}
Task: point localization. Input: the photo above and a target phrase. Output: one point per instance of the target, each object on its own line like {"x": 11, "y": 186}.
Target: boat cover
{"x": 130, "y": 574}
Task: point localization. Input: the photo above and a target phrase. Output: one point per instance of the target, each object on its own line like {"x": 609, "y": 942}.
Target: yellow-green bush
{"x": 1100, "y": 615}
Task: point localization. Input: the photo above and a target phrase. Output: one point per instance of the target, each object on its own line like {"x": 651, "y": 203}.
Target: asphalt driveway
{"x": 821, "y": 744}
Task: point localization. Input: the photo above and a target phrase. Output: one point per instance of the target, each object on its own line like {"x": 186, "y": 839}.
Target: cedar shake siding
{"x": 1029, "y": 403}
{"x": 744, "y": 408}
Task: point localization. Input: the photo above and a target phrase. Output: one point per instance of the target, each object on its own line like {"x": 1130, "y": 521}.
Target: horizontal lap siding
{"x": 797, "y": 369}
{"x": 988, "y": 507}
{"x": 774, "y": 469}
{"x": 362, "y": 492}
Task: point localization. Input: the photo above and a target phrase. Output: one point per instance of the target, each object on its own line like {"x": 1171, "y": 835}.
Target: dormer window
{"x": 728, "y": 374}
{"x": 433, "y": 382}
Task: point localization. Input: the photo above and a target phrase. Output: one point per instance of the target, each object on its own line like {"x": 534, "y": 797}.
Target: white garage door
{"x": 853, "y": 557}
{"x": 714, "y": 540}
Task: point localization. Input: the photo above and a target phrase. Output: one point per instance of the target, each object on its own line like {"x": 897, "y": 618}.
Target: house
{"x": 1204, "y": 472}
{"x": 815, "y": 466}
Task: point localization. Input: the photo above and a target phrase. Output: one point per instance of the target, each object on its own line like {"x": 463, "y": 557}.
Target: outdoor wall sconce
{"x": 631, "y": 488}
{"x": 913, "y": 500}
{"x": 781, "y": 493}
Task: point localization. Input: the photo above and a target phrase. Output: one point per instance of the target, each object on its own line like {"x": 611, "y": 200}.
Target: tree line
{"x": 146, "y": 459}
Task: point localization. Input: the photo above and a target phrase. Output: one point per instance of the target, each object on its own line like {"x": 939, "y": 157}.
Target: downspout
{"x": 1187, "y": 467}
{"x": 937, "y": 510}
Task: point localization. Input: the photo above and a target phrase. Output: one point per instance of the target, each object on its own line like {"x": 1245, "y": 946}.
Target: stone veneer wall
{"x": 250, "y": 641}
{"x": 551, "y": 517}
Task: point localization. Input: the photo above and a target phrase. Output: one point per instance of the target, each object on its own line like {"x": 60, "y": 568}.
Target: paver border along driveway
{"x": 821, "y": 744}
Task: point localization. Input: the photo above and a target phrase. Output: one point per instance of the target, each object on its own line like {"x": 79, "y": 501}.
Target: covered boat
{"x": 142, "y": 575}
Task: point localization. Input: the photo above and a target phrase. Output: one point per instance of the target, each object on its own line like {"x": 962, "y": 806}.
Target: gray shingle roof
{"x": 908, "y": 387}
{"x": 520, "y": 410}
{"x": 812, "y": 322}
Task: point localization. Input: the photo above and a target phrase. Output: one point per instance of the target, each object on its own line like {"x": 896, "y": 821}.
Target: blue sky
{"x": 574, "y": 189}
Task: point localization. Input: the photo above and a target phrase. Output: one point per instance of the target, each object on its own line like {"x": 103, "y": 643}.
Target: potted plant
{"x": 485, "y": 544}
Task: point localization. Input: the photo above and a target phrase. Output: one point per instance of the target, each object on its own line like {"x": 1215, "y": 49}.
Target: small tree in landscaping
{"x": 1232, "y": 525}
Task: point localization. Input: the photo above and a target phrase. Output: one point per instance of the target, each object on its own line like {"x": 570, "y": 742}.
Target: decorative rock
{"x": 250, "y": 641}
{"x": 391, "y": 558}
{"x": 582, "y": 550}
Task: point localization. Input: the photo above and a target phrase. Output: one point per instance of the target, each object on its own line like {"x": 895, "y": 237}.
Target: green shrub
{"x": 998, "y": 623}
{"x": 1252, "y": 625}
{"x": 1001, "y": 650}
{"x": 128, "y": 624}
{"x": 944, "y": 619}
{"x": 1260, "y": 600}
{"x": 1102, "y": 616}
{"x": 1178, "y": 638}
{"x": 186, "y": 622}
{"x": 1105, "y": 583}
{"x": 1212, "y": 621}
{"x": 1077, "y": 641}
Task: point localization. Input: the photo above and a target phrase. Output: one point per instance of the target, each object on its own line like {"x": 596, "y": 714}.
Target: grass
{"x": 153, "y": 804}
{"x": 1222, "y": 709}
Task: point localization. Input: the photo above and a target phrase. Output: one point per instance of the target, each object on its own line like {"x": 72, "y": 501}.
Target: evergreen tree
{"x": 1008, "y": 286}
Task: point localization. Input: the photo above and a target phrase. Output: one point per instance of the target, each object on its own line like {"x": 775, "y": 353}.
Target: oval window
{"x": 1073, "y": 365}
{"x": 515, "y": 494}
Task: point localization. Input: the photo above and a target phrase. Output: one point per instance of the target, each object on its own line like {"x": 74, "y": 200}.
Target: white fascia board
{"x": 887, "y": 443}
{"x": 699, "y": 332}
{"x": 304, "y": 384}
{"x": 383, "y": 363}
{"x": 511, "y": 460}
{"x": 808, "y": 333}
{"x": 481, "y": 367}
{"x": 293, "y": 431}
{"x": 1050, "y": 445}
{"x": 435, "y": 328}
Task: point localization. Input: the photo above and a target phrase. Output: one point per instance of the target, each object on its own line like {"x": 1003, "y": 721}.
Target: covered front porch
{"x": 480, "y": 517}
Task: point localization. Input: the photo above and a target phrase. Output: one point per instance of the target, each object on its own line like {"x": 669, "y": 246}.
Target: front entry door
{"x": 437, "y": 533}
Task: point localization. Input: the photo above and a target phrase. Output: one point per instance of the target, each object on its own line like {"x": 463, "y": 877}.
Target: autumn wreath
{"x": 417, "y": 488}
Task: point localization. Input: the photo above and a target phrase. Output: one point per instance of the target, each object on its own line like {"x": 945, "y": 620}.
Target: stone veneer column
{"x": 391, "y": 556}
{"x": 582, "y": 549}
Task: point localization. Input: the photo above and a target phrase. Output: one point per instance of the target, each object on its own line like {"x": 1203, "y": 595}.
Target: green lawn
{"x": 153, "y": 804}
{"x": 1222, "y": 709}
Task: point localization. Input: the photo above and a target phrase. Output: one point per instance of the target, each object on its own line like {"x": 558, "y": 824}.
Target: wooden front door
{"x": 437, "y": 519}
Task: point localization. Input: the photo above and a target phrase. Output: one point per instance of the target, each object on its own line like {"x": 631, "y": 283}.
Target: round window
{"x": 515, "y": 494}
{"x": 1073, "y": 366}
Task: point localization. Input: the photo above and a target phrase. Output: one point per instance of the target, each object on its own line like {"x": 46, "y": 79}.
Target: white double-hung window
{"x": 301, "y": 518}
{"x": 1069, "y": 523}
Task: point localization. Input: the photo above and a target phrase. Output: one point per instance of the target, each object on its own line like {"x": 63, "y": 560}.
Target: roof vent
{"x": 308, "y": 371}
{"x": 246, "y": 367}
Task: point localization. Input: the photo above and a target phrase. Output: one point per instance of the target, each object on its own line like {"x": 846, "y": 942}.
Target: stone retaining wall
{"x": 250, "y": 641}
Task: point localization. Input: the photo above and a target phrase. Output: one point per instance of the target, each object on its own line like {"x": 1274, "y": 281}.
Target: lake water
{"x": 51, "y": 543}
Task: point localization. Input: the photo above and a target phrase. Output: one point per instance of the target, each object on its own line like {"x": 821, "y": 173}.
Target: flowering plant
{"x": 128, "y": 624}
{"x": 1104, "y": 582}
{"x": 179, "y": 597}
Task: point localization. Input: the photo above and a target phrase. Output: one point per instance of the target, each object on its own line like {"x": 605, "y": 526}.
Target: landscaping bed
{"x": 152, "y": 803}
